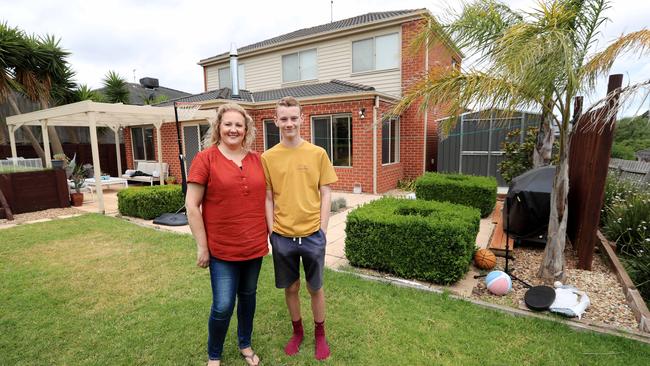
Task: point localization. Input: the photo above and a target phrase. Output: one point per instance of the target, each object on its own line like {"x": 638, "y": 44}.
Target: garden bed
{"x": 608, "y": 303}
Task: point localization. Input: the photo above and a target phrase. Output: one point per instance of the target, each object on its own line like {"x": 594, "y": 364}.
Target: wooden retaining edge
{"x": 632, "y": 295}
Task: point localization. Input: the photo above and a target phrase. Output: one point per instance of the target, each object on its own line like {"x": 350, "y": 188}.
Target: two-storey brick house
{"x": 347, "y": 76}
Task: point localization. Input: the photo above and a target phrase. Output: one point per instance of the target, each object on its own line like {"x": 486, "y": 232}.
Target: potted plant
{"x": 78, "y": 178}
{"x": 60, "y": 161}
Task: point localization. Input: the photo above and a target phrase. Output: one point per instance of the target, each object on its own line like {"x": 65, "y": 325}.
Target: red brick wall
{"x": 412, "y": 121}
{"x": 361, "y": 170}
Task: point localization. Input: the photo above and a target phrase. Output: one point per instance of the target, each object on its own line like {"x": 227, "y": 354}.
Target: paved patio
{"x": 335, "y": 255}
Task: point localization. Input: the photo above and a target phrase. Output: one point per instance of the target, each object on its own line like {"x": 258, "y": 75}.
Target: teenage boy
{"x": 298, "y": 175}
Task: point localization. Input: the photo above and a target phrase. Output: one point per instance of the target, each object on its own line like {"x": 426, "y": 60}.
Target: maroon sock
{"x": 293, "y": 346}
{"x": 322, "y": 349}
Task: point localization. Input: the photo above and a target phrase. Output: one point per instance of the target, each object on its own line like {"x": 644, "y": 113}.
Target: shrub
{"x": 468, "y": 190}
{"x": 618, "y": 190}
{"x": 518, "y": 157}
{"x": 628, "y": 223}
{"x": 149, "y": 202}
{"x": 638, "y": 267}
{"x": 426, "y": 240}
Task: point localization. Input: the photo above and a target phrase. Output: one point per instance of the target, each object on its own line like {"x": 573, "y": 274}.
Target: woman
{"x": 225, "y": 209}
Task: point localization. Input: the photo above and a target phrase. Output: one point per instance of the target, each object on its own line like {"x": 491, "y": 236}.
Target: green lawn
{"x": 95, "y": 290}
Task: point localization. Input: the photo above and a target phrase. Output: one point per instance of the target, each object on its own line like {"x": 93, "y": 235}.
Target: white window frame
{"x": 144, "y": 141}
{"x": 266, "y": 142}
{"x": 241, "y": 73}
{"x": 397, "y": 141}
{"x": 300, "y": 79}
{"x": 374, "y": 54}
{"x": 330, "y": 153}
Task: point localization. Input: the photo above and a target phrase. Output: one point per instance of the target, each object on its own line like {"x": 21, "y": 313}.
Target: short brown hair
{"x": 288, "y": 101}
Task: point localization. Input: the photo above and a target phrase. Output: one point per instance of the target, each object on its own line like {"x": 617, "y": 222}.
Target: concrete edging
{"x": 576, "y": 325}
{"x": 634, "y": 299}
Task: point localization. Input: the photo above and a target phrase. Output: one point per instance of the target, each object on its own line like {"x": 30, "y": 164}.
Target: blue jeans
{"x": 229, "y": 279}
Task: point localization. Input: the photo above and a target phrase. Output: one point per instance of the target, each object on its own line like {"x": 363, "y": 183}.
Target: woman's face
{"x": 232, "y": 129}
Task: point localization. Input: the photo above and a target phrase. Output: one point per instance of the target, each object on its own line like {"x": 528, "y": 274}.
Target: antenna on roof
{"x": 331, "y": 11}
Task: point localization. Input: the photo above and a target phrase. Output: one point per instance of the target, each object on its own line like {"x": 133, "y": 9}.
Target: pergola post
{"x": 12, "y": 142}
{"x": 118, "y": 153}
{"x": 92, "y": 123}
{"x": 46, "y": 144}
{"x": 159, "y": 144}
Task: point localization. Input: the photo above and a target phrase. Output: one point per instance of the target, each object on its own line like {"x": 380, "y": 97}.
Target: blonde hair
{"x": 288, "y": 102}
{"x": 213, "y": 137}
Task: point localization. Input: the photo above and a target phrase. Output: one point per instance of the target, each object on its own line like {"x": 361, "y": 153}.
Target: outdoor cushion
{"x": 129, "y": 172}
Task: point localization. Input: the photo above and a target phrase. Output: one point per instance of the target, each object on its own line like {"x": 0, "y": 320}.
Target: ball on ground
{"x": 498, "y": 283}
{"x": 485, "y": 259}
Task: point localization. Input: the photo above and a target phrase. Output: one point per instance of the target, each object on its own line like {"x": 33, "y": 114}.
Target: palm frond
{"x": 454, "y": 90}
{"x": 599, "y": 64}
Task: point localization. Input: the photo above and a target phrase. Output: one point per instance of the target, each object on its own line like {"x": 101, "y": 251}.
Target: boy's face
{"x": 288, "y": 120}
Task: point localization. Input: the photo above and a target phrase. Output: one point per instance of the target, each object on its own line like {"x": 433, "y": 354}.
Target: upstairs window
{"x": 377, "y": 53}
{"x": 225, "y": 81}
{"x": 299, "y": 66}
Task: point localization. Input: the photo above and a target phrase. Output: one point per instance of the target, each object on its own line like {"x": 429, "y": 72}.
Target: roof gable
{"x": 348, "y": 23}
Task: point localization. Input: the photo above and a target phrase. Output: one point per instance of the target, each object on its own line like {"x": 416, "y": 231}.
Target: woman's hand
{"x": 202, "y": 257}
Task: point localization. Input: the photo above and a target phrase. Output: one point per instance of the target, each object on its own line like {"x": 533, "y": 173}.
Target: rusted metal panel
{"x": 588, "y": 165}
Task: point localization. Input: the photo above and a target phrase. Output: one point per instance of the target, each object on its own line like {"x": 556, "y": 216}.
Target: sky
{"x": 165, "y": 39}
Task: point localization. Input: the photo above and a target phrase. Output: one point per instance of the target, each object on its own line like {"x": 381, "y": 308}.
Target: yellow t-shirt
{"x": 295, "y": 176}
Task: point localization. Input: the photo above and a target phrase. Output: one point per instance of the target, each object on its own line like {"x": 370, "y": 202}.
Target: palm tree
{"x": 84, "y": 92}
{"x": 14, "y": 52}
{"x": 115, "y": 89}
{"x": 542, "y": 59}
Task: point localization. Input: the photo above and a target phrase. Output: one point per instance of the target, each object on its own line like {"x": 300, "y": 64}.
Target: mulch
{"x": 608, "y": 303}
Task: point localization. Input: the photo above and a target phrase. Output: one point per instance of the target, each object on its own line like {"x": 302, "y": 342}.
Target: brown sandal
{"x": 250, "y": 359}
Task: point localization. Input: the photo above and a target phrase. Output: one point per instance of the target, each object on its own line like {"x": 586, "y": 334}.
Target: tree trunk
{"x": 26, "y": 130}
{"x": 55, "y": 141}
{"x": 4, "y": 132}
{"x": 543, "y": 152}
{"x": 552, "y": 267}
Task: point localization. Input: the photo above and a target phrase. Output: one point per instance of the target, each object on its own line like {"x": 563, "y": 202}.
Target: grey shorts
{"x": 287, "y": 253}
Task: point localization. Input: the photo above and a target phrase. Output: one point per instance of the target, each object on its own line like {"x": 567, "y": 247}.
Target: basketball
{"x": 485, "y": 259}
{"x": 498, "y": 283}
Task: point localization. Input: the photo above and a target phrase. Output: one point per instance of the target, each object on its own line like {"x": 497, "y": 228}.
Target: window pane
{"x": 308, "y": 65}
{"x": 241, "y": 74}
{"x": 192, "y": 144}
{"x": 385, "y": 142}
{"x": 290, "y": 67}
{"x": 148, "y": 144}
{"x": 394, "y": 133}
{"x": 203, "y": 129}
{"x": 322, "y": 135}
{"x": 387, "y": 52}
{"x": 341, "y": 142}
{"x": 224, "y": 78}
{"x": 138, "y": 147}
{"x": 362, "y": 55}
{"x": 272, "y": 132}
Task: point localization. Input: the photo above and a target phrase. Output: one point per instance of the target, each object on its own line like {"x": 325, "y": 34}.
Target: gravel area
{"x": 608, "y": 304}
{"x": 40, "y": 215}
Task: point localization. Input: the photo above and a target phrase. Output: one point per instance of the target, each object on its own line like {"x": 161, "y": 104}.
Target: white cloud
{"x": 165, "y": 39}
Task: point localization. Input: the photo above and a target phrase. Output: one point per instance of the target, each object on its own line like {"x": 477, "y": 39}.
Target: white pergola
{"x": 93, "y": 114}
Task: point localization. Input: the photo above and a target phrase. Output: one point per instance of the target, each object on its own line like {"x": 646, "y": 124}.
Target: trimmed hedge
{"x": 468, "y": 190}
{"x": 150, "y": 202}
{"x": 426, "y": 240}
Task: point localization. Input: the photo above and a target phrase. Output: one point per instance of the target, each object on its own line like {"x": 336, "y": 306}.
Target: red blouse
{"x": 233, "y": 204}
